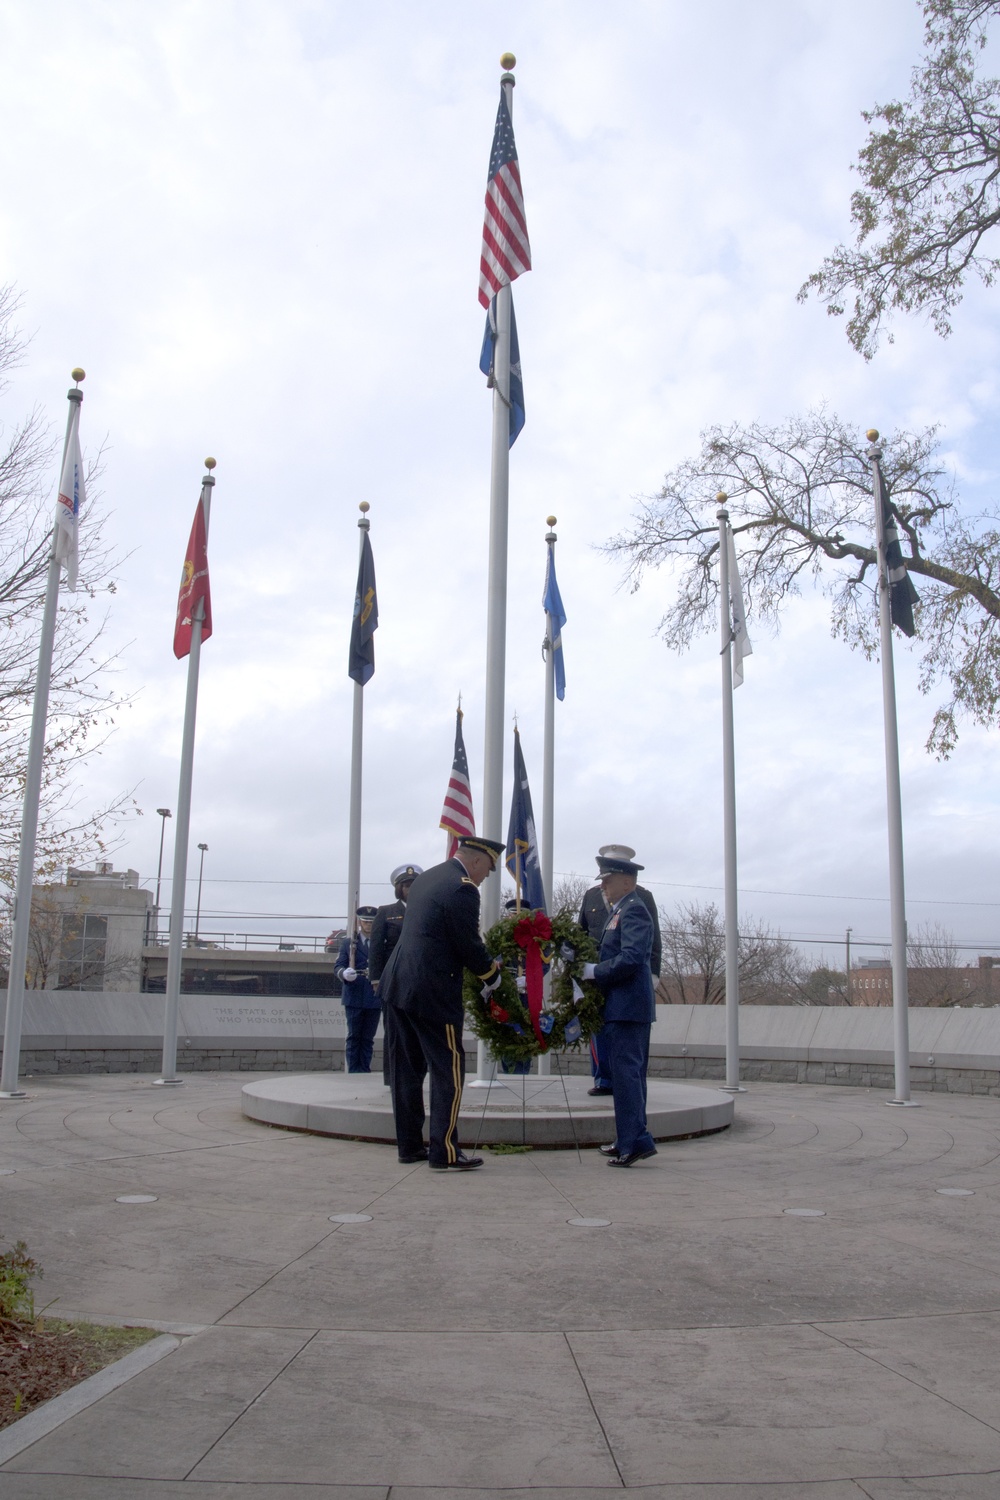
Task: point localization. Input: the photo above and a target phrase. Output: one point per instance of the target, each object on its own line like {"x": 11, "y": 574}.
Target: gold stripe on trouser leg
{"x": 456, "y": 1079}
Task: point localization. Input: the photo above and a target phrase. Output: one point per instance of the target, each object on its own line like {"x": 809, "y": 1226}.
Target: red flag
{"x": 194, "y": 587}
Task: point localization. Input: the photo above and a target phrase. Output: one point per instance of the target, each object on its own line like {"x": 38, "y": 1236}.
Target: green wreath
{"x": 503, "y": 1020}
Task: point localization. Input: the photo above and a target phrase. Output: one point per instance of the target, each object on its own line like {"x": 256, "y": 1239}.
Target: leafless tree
{"x": 934, "y": 975}
{"x": 81, "y": 703}
{"x": 929, "y": 198}
{"x": 693, "y": 968}
{"x": 568, "y": 894}
{"x": 801, "y": 507}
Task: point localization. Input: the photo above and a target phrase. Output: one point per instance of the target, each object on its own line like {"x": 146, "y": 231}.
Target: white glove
{"x": 349, "y": 974}
{"x": 588, "y": 971}
{"x": 522, "y": 984}
{"x": 491, "y": 984}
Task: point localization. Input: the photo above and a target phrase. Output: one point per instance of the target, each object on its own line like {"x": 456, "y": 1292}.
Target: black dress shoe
{"x": 632, "y": 1158}
{"x": 420, "y": 1155}
{"x": 462, "y": 1163}
{"x": 609, "y": 1150}
{"x": 600, "y": 1091}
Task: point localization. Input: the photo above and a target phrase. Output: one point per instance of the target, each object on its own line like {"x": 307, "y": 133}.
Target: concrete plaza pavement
{"x": 468, "y": 1341}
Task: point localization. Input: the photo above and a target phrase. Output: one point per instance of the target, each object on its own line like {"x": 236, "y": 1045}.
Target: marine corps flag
{"x": 361, "y": 665}
{"x": 195, "y": 587}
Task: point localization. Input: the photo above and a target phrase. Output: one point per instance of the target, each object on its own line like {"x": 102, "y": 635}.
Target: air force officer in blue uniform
{"x": 622, "y": 974}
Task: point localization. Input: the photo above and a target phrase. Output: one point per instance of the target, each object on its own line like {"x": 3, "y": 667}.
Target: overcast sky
{"x": 257, "y": 227}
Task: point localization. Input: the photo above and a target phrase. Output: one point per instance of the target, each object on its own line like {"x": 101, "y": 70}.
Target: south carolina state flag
{"x": 194, "y": 587}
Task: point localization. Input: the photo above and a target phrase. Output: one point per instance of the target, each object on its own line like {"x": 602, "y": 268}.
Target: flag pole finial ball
{"x": 872, "y": 434}
{"x": 364, "y": 507}
{"x": 508, "y": 61}
{"x": 210, "y": 463}
{"x": 721, "y": 498}
{"x": 77, "y": 374}
{"x": 550, "y": 520}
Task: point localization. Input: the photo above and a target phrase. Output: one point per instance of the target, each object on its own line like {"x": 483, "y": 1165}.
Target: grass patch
{"x": 46, "y": 1356}
{"x": 502, "y": 1148}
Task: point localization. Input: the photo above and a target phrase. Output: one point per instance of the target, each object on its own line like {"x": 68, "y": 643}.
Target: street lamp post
{"x": 164, "y": 813}
{"x": 201, "y": 872}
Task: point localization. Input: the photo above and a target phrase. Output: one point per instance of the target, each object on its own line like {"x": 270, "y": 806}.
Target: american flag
{"x": 506, "y": 252}
{"x": 457, "y": 816}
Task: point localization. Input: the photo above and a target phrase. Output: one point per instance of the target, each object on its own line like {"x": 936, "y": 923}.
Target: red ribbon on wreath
{"x": 529, "y": 934}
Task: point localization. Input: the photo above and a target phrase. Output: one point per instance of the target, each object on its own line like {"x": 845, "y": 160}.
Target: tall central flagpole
{"x": 32, "y": 794}
{"x": 732, "y": 1084}
{"x": 549, "y": 743}
{"x": 178, "y": 888}
{"x": 894, "y": 803}
{"x": 357, "y": 752}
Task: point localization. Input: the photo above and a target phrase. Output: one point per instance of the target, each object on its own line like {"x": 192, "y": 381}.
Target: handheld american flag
{"x": 71, "y": 497}
{"x": 457, "y": 816}
{"x": 506, "y": 251}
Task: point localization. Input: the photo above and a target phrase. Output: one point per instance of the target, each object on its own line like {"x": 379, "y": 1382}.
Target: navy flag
{"x": 902, "y": 595}
{"x": 522, "y": 842}
{"x": 515, "y": 408}
{"x": 553, "y": 605}
{"x": 361, "y": 663}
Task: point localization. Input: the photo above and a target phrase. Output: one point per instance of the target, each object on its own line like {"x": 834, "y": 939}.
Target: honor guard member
{"x": 387, "y": 926}
{"x": 359, "y": 999}
{"x": 622, "y": 974}
{"x": 593, "y": 914}
{"x": 421, "y": 988}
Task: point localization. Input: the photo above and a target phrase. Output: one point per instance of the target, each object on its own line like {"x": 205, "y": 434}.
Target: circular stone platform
{"x": 513, "y": 1111}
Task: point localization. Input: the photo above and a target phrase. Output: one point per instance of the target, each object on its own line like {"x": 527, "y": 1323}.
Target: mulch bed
{"x": 41, "y": 1359}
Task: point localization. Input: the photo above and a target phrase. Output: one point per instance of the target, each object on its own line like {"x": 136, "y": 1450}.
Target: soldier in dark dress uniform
{"x": 387, "y": 926}
{"x": 421, "y": 987}
{"x": 593, "y": 915}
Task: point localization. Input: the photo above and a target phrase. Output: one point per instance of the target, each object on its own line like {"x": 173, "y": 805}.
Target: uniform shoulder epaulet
{"x": 466, "y": 880}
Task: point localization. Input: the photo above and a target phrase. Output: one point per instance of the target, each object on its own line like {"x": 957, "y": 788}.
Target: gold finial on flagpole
{"x": 872, "y": 434}
{"x": 550, "y": 520}
{"x": 364, "y": 507}
{"x": 210, "y": 464}
{"x": 721, "y": 498}
{"x": 508, "y": 61}
{"x": 77, "y": 374}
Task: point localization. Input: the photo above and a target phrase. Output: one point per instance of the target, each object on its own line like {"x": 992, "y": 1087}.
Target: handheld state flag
{"x": 71, "y": 496}
{"x": 506, "y": 251}
{"x": 195, "y": 590}
{"x": 737, "y": 614}
{"x": 553, "y": 606}
{"x": 457, "y": 815}
{"x": 522, "y": 842}
{"x": 902, "y": 595}
{"x": 361, "y": 665}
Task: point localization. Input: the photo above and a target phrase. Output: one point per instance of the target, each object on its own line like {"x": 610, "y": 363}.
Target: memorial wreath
{"x": 517, "y": 1026}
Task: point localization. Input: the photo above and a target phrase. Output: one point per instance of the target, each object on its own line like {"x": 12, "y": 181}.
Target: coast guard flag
{"x": 361, "y": 663}
{"x": 522, "y": 843}
{"x": 738, "y": 616}
{"x": 71, "y": 497}
{"x": 902, "y": 595}
{"x": 194, "y": 587}
{"x": 516, "y": 404}
{"x": 506, "y": 252}
{"x": 457, "y": 815}
{"x": 553, "y": 605}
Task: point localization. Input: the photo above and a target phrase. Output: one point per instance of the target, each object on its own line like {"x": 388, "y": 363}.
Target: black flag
{"x": 902, "y": 595}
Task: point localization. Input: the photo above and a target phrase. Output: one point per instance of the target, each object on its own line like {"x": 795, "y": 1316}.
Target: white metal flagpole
{"x": 894, "y": 802}
{"x": 33, "y": 791}
{"x": 732, "y": 1084}
{"x": 178, "y": 889}
{"x": 357, "y": 752}
{"x": 548, "y": 764}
